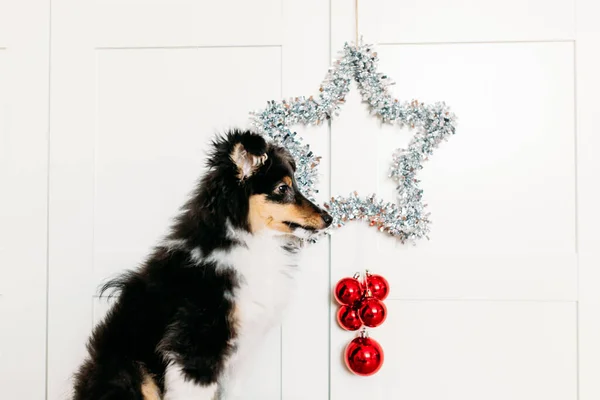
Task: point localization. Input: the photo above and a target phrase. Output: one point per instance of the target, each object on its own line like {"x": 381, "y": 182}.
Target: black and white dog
{"x": 183, "y": 323}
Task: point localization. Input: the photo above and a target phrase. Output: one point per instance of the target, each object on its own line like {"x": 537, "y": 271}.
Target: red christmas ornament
{"x": 372, "y": 312}
{"x": 378, "y": 286}
{"x": 364, "y": 356}
{"x": 348, "y": 319}
{"x": 348, "y": 291}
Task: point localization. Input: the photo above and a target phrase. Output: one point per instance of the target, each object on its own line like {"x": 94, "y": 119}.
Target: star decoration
{"x": 406, "y": 219}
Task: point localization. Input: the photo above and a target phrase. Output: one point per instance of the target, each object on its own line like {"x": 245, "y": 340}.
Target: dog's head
{"x": 264, "y": 176}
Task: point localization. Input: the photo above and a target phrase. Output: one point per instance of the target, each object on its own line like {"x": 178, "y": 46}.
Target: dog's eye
{"x": 282, "y": 189}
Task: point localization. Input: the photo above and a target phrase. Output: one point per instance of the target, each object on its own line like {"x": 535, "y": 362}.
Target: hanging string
{"x": 356, "y": 20}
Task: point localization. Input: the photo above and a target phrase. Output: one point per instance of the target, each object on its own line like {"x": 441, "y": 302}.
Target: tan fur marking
{"x": 234, "y": 323}
{"x": 149, "y": 389}
{"x": 265, "y": 214}
{"x": 234, "y": 316}
{"x": 287, "y": 180}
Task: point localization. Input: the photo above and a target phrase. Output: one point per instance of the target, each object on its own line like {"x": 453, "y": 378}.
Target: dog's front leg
{"x": 180, "y": 386}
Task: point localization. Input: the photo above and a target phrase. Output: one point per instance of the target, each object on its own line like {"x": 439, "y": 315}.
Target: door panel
{"x": 467, "y": 350}
{"x": 156, "y": 112}
{"x": 501, "y": 192}
{"x": 145, "y": 166}
{"x": 436, "y": 21}
{"x": 183, "y": 23}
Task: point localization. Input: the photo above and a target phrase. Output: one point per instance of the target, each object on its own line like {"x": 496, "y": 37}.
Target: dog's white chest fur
{"x": 266, "y": 272}
{"x": 266, "y": 278}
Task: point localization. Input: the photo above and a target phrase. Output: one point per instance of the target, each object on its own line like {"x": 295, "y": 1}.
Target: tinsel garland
{"x": 406, "y": 220}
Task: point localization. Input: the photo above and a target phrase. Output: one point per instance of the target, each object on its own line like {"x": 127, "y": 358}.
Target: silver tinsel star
{"x": 405, "y": 220}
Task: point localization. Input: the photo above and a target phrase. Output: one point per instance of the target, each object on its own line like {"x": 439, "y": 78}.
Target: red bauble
{"x": 348, "y": 291}
{"x": 372, "y": 312}
{"x": 364, "y": 356}
{"x": 348, "y": 318}
{"x": 378, "y": 286}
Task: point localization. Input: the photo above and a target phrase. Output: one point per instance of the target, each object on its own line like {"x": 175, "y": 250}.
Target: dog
{"x": 184, "y": 323}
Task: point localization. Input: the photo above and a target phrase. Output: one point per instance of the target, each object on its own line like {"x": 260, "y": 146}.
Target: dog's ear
{"x": 249, "y": 155}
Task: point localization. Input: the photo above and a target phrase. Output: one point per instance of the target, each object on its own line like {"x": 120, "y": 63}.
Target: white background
{"x": 106, "y": 109}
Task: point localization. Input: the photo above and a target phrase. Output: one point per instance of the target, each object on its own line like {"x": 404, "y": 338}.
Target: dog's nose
{"x": 328, "y": 219}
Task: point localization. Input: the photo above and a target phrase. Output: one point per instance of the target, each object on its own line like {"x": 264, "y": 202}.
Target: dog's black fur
{"x": 174, "y": 307}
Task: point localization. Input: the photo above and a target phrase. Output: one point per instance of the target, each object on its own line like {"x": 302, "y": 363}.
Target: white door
{"x": 488, "y": 308}
{"x": 23, "y": 196}
{"x": 138, "y": 91}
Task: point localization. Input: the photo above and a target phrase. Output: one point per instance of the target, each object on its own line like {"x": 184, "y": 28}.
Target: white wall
{"x": 502, "y": 303}
{"x": 24, "y": 68}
